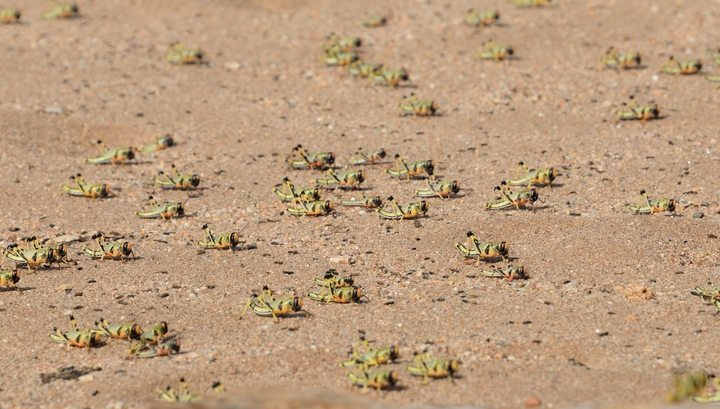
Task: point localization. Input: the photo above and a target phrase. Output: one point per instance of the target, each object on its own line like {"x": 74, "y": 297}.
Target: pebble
{"x": 86, "y": 378}
{"x": 341, "y": 260}
{"x": 53, "y": 110}
{"x": 533, "y": 402}
{"x": 698, "y": 215}
{"x": 68, "y": 238}
{"x": 232, "y": 66}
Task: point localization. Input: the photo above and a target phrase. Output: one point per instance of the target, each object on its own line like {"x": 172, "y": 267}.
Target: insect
{"x": 518, "y": 199}
{"x": 8, "y": 278}
{"x": 675, "y": 67}
{"x": 646, "y": 205}
{"x": 397, "y": 212}
{"x": 416, "y": 107}
{"x": 159, "y": 144}
{"x": 707, "y": 397}
{"x": 74, "y": 338}
{"x": 344, "y": 44}
{"x": 713, "y": 79}
{"x": 412, "y": 169}
{"x": 365, "y": 202}
{"x": 177, "y": 180}
{"x": 439, "y": 189}
{"x": 339, "y": 295}
{"x": 167, "y": 210}
{"x": 10, "y": 15}
{"x": 371, "y": 21}
{"x": 616, "y": 60}
{"x": 635, "y": 111}
{"x": 113, "y": 156}
{"x": 372, "y": 357}
{"x": 379, "y": 379}
{"x": 84, "y": 189}
{"x": 31, "y": 257}
{"x": 340, "y": 58}
{"x": 224, "y": 241}
{"x": 150, "y": 337}
{"x": 180, "y": 55}
{"x": 540, "y": 176}
{"x": 359, "y": 69}
{"x": 332, "y": 279}
{"x": 390, "y": 77}
{"x": 486, "y": 18}
{"x": 290, "y": 192}
{"x": 433, "y": 368}
{"x": 119, "y": 331}
{"x": 60, "y": 250}
{"x": 119, "y": 250}
{"x": 300, "y": 159}
{"x": 162, "y": 349}
{"x": 491, "y": 249}
{"x": 65, "y": 10}
{"x": 492, "y": 51}
{"x": 273, "y": 307}
{"x": 365, "y": 158}
{"x": 307, "y": 208}
{"x": 184, "y": 394}
{"x": 530, "y": 3}
{"x": 351, "y": 179}
{"x": 713, "y": 295}
{"x": 510, "y": 273}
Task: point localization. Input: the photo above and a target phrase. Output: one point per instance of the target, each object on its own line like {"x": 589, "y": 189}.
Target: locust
{"x": 340, "y": 58}
{"x": 365, "y": 202}
{"x": 539, "y": 176}
{"x": 416, "y": 107}
{"x": 118, "y": 331}
{"x": 616, "y": 60}
{"x": 713, "y": 79}
{"x": 120, "y": 250}
{"x": 491, "y": 249}
{"x": 290, "y": 192}
{"x": 176, "y": 181}
{"x": 85, "y": 189}
{"x": 397, "y": 212}
{"x": 8, "y": 278}
{"x": 509, "y": 273}
{"x": 79, "y": 339}
{"x": 60, "y": 250}
{"x": 160, "y": 143}
{"x": 32, "y": 258}
{"x": 351, "y": 179}
{"x": 715, "y": 54}
{"x": 379, "y": 379}
{"x": 438, "y": 189}
{"x": 180, "y": 55}
{"x": 64, "y": 10}
{"x": 675, "y": 67}
{"x": 371, "y": 21}
{"x": 184, "y": 395}
{"x": 332, "y": 279}
{"x": 345, "y": 44}
{"x": 266, "y": 305}
{"x": 646, "y": 205}
{"x": 360, "y": 69}
{"x": 112, "y": 156}
{"x": 492, "y": 51}
{"x": 634, "y": 111}
{"x": 530, "y": 3}
{"x": 372, "y": 357}
{"x": 299, "y": 159}
{"x": 475, "y": 18}
{"x": 303, "y": 207}
{"x": 10, "y": 15}
{"x": 223, "y": 241}
{"x": 427, "y": 367}
{"x": 341, "y": 295}
{"x": 390, "y": 77}
{"x": 365, "y": 158}
{"x": 412, "y": 169}
{"x": 150, "y": 337}
{"x": 166, "y": 211}
{"x": 161, "y": 349}
{"x": 510, "y": 199}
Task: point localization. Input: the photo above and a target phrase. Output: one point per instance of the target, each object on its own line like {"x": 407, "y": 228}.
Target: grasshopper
{"x": 84, "y": 189}
{"x": 65, "y": 10}
{"x": 675, "y": 67}
{"x": 372, "y": 357}
{"x": 439, "y": 189}
{"x": 351, "y": 179}
{"x": 390, "y": 77}
{"x": 341, "y": 295}
{"x": 290, "y": 192}
{"x": 371, "y": 21}
{"x": 180, "y": 55}
{"x": 316, "y": 208}
{"x": 715, "y": 54}
{"x": 153, "y": 336}
{"x": 510, "y": 273}
{"x": 713, "y": 79}
{"x": 344, "y": 44}
{"x": 714, "y": 398}
{"x": 113, "y": 156}
{"x": 119, "y": 331}
{"x": 492, "y": 249}
{"x": 340, "y": 58}
{"x": 177, "y": 180}
{"x": 160, "y": 143}
{"x": 635, "y": 111}
{"x": 184, "y": 394}
{"x": 119, "y": 250}
{"x": 530, "y": 3}
{"x": 74, "y": 338}
{"x": 518, "y": 199}
{"x": 10, "y": 15}
{"x": 412, "y": 169}
{"x": 162, "y": 349}
{"x": 359, "y": 69}
{"x": 397, "y": 212}
{"x": 332, "y": 279}
{"x": 616, "y": 60}
{"x": 224, "y": 241}
{"x": 60, "y": 250}
{"x": 492, "y": 51}
{"x": 32, "y": 258}
{"x": 486, "y": 18}
{"x": 300, "y": 159}
{"x": 167, "y": 210}
{"x": 379, "y": 379}
{"x": 540, "y": 176}
{"x": 273, "y": 307}
{"x": 365, "y": 158}
{"x": 8, "y": 278}
{"x": 416, "y": 107}
{"x": 433, "y": 368}
{"x": 646, "y": 205}
{"x": 365, "y": 202}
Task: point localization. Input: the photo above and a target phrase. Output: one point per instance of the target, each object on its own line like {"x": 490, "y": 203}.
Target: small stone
{"x": 53, "y": 110}
{"x": 67, "y": 238}
{"x": 200, "y": 252}
{"x": 698, "y": 215}
{"x": 341, "y": 260}
{"x": 86, "y": 378}
{"x": 533, "y": 402}
{"x": 64, "y": 287}
{"x": 232, "y": 66}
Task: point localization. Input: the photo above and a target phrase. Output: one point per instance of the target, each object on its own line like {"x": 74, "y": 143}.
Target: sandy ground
{"x": 578, "y": 330}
